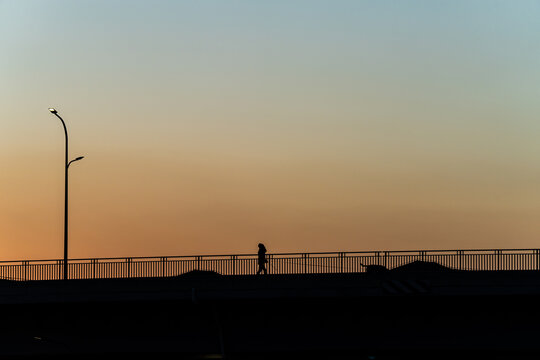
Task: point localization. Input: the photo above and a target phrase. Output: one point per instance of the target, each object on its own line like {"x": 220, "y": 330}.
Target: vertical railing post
{"x": 341, "y": 256}
{"x": 386, "y": 259}
{"x": 59, "y": 264}
{"x": 537, "y": 252}
{"x": 459, "y": 256}
{"x": 25, "y": 265}
{"x": 198, "y": 263}
{"x": 128, "y": 260}
{"x": 305, "y": 262}
{"x": 233, "y": 259}
{"x": 94, "y": 268}
{"x": 497, "y": 256}
{"x": 163, "y": 266}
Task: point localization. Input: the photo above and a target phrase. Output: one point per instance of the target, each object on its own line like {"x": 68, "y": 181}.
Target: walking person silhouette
{"x": 262, "y": 259}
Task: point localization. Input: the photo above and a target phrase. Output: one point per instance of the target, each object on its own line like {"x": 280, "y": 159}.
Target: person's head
{"x": 261, "y": 245}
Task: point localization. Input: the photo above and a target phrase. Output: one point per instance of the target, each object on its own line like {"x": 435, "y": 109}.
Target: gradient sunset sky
{"x": 210, "y": 126}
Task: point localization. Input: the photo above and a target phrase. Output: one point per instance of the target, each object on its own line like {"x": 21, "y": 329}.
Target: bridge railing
{"x": 284, "y": 263}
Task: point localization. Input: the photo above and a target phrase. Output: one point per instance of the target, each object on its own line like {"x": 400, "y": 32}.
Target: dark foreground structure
{"x": 421, "y": 310}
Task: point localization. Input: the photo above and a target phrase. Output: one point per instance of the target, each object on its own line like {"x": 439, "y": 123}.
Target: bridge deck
{"x": 387, "y": 313}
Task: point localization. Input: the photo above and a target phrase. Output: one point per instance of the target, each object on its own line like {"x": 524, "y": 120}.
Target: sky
{"x": 210, "y": 126}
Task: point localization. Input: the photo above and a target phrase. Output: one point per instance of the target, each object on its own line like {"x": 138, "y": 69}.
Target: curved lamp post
{"x": 67, "y": 163}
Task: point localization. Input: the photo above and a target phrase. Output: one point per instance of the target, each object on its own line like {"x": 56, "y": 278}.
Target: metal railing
{"x": 285, "y": 263}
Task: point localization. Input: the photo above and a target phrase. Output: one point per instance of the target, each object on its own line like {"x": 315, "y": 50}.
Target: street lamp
{"x": 67, "y": 163}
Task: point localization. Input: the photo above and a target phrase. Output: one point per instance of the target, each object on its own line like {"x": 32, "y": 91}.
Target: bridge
{"x": 282, "y": 263}
{"x": 366, "y": 305}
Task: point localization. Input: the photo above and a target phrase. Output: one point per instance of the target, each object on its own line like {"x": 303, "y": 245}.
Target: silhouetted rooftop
{"x": 422, "y": 266}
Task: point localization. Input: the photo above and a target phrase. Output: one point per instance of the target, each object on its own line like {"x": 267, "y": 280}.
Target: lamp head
{"x": 79, "y": 158}
{"x": 53, "y": 110}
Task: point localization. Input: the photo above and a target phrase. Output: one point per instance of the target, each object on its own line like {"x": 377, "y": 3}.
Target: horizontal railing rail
{"x": 282, "y": 263}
